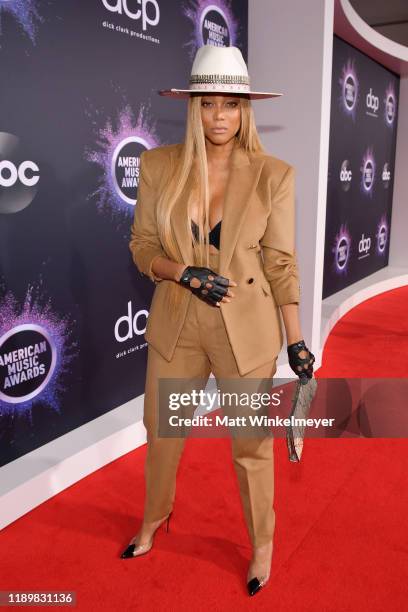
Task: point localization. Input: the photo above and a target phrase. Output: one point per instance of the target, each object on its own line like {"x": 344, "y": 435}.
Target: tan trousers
{"x": 203, "y": 347}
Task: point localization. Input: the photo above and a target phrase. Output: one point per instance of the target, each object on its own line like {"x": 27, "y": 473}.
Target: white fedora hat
{"x": 218, "y": 69}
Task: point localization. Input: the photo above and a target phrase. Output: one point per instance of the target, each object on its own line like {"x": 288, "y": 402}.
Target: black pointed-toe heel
{"x": 254, "y": 585}
{"x": 134, "y": 550}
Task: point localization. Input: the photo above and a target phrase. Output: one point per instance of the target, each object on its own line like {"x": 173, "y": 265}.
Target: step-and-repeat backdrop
{"x": 363, "y": 130}
{"x": 78, "y": 104}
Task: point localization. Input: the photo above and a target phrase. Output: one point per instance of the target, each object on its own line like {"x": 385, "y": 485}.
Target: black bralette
{"x": 214, "y": 233}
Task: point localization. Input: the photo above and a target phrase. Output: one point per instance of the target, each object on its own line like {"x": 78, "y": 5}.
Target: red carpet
{"x": 341, "y": 538}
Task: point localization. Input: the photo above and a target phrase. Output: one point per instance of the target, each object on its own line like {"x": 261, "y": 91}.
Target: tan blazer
{"x": 257, "y": 250}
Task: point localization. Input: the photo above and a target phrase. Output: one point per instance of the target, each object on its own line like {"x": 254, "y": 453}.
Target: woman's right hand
{"x": 207, "y": 285}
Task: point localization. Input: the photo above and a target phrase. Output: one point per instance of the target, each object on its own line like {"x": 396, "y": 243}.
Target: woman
{"x": 218, "y": 291}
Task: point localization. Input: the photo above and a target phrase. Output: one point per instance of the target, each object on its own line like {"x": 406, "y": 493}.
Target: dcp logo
{"x": 131, "y": 10}
{"x": 372, "y": 102}
{"x": 19, "y": 176}
{"x": 129, "y": 325}
{"x": 364, "y": 244}
{"x": 345, "y": 175}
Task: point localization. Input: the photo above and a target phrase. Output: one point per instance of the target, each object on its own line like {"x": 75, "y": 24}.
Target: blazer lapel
{"x": 243, "y": 179}
{"x": 244, "y": 176}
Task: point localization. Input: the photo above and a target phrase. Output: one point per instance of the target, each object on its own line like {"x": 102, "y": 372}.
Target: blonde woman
{"x": 214, "y": 229}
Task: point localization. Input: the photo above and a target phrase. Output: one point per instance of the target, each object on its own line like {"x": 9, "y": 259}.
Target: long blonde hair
{"x": 194, "y": 160}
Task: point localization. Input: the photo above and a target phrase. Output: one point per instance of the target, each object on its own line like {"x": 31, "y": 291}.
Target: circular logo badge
{"x": 382, "y": 238}
{"x": 390, "y": 109}
{"x": 214, "y": 27}
{"x": 27, "y": 361}
{"x": 349, "y": 92}
{"x": 126, "y": 167}
{"x": 342, "y": 253}
{"x": 368, "y": 175}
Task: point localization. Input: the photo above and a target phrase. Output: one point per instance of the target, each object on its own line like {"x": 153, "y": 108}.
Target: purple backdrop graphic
{"x": 35, "y": 355}
{"x": 80, "y": 106}
{"x": 25, "y": 12}
{"x": 363, "y": 129}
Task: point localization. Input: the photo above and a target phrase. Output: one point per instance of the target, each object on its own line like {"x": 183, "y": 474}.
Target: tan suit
{"x": 242, "y": 338}
{"x": 257, "y": 250}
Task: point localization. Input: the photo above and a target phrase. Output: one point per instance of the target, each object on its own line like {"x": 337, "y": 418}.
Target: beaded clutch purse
{"x": 301, "y": 403}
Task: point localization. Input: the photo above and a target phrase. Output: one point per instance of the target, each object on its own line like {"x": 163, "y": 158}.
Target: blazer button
{"x": 250, "y": 280}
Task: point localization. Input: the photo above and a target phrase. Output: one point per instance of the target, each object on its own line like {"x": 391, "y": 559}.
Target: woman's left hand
{"x": 301, "y": 360}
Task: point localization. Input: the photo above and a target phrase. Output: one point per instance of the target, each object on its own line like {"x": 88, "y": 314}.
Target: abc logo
{"x": 121, "y": 7}
{"x": 364, "y": 244}
{"x": 372, "y": 101}
{"x": 345, "y": 175}
{"x": 19, "y": 176}
{"x": 386, "y": 175}
{"x": 26, "y": 173}
{"x": 129, "y": 325}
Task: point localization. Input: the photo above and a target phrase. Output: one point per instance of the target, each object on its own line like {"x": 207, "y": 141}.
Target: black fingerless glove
{"x": 297, "y": 363}
{"x": 218, "y": 285}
